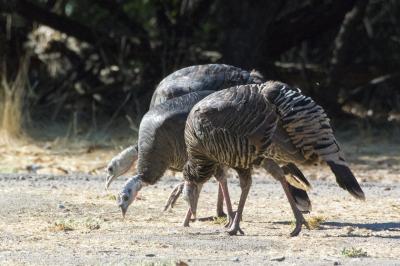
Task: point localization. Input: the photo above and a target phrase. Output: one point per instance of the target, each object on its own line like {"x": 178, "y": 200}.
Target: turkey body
{"x": 232, "y": 127}
{"x": 162, "y": 118}
{"x": 260, "y": 124}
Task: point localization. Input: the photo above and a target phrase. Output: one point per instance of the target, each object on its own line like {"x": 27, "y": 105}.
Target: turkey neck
{"x": 161, "y": 143}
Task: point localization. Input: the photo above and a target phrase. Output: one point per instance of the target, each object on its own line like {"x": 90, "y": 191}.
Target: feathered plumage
{"x": 213, "y": 77}
{"x": 232, "y": 127}
{"x": 304, "y": 134}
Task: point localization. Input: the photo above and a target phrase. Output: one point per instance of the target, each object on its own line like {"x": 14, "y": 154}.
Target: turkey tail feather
{"x": 346, "y": 179}
{"x": 295, "y": 177}
{"x": 301, "y": 199}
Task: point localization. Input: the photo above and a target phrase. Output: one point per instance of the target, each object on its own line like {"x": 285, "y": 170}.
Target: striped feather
{"x": 308, "y": 128}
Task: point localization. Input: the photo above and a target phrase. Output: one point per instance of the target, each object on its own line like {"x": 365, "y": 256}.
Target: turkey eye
{"x": 125, "y": 197}
{"x": 110, "y": 169}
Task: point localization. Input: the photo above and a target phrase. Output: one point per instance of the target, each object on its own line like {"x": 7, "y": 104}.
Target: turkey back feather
{"x": 213, "y": 77}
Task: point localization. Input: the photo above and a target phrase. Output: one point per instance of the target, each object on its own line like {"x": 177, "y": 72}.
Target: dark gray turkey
{"x": 260, "y": 124}
{"x": 161, "y": 146}
{"x": 197, "y": 78}
{"x": 194, "y": 78}
{"x": 213, "y": 77}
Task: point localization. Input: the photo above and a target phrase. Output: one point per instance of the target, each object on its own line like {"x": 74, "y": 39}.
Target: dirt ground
{"x": 54, "y": 219}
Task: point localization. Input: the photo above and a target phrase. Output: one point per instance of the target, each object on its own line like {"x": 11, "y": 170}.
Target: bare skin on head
{"x": 121, "y": 164}
{"x": 128, "y": 193}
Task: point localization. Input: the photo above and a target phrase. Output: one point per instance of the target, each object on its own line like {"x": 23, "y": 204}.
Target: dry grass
{"x": 63, "y": 226}
{"x": 354, "y": 252}
{"x": 315, "y": 222}
{"x": 71, "y": 224}
{"x": 12, "y": 103}
{"x": 219, "y": 220}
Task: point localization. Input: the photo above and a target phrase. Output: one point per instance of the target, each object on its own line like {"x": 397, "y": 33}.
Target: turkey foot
{"x": 235, "y": 228}
{"x": 230, "y": 220}
{"x": 300, "y": 221}
{"x": 176, "y": 192}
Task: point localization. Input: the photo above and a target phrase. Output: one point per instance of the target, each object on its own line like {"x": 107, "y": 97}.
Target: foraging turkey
{"x": 232, "y": 127}
{"x": 212, "y": 77}
{"x": 190, "y": 79}
{"x": 198, "y": 78}
{"x": 161, "y": 146}
{"x": 259, "y": 124}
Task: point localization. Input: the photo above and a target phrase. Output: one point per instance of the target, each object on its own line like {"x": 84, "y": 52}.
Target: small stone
{"x": 387, "y": 188}
{"x": 336, "y": 263}
{"x": 235, "y": 259}
{"x": 60, "y": 206}
{"x": 278, "y": 258}
{"x": 150, "y": 255}
{"x": 349, "y": 230}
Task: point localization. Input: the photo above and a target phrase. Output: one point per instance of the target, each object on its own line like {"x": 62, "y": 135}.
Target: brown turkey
{"x": 260, "y": 124}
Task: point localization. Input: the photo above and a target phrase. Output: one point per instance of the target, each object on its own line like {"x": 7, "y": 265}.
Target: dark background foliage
{"x": 97, "y": 62}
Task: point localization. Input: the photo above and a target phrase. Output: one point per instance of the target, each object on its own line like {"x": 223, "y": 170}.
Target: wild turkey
{"x": 257, "y": 124}
{"x": 194, "y": 78}
{"x": 197, "y": 78}
{"x": 232, "y": 127}
{"x": 211, "y": 77}
{"x": 161, "y": 145}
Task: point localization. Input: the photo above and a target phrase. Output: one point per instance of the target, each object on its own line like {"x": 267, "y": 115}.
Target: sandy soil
{"x": 71, "y": 219}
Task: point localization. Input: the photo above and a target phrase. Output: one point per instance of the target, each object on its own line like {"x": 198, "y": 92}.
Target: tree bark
{"x": 340, "y": 56}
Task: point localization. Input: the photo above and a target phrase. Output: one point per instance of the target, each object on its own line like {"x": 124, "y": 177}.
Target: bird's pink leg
{"x": 223, "y": 185}
{"x": 245, "y": 184}
{"x": 279, "y": 175}
{"x": 220, "y": 203}
{"x": 187, "y": 218}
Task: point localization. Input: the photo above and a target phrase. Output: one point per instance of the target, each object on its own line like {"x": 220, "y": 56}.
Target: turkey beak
{"x": 109, "y": 180}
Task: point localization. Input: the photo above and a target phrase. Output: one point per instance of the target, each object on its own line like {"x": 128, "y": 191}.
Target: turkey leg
{"x": 245, "y": 184}
{"x": 276, "y": 171}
